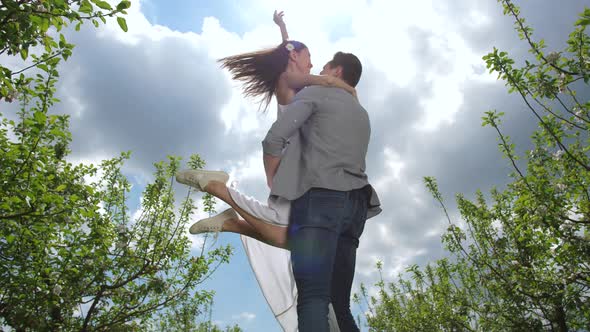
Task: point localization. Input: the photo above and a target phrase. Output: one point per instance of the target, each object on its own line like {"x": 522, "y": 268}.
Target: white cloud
{"x": 394, "y": 166}
{"x": 246, "y": 316}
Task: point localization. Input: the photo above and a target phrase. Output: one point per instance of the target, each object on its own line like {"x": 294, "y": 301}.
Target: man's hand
{"x": 271, "y": 164}
{"x": 277, "y": 17}
{"x": 269, "y": 183}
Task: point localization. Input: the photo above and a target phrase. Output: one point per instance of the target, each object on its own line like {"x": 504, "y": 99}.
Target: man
{"x": 323, "y": 174}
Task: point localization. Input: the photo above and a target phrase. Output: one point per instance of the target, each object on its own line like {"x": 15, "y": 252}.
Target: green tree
{"x": 188, "y": 318}
{"x": 32, "y": 28}
{"x": 521, "y": 263}
{"x": 209, "y": 327}
{"x": 72, "y": 257}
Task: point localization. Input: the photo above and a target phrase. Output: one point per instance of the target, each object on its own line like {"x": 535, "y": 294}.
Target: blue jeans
{"x": 324, "y": 230}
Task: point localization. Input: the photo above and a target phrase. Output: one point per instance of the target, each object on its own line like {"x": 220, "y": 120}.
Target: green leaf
{"x": 10, "y": 238}
{"x": 44, "y": 24}
{"x": 62, "y": 41}
{"x": 24, "y": 53}
{"x": 61, "y": 187}
{"x": 103, "y": 5}
{"x": 122, "y": 23}
{"x": 123, "y": 5}
{"x": 36, "y": 20}
{"x": 40, "y": 117}
{"x": 86, "y": 7}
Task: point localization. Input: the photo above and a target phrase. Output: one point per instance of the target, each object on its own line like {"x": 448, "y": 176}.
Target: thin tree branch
{"x": 531, "y": 43}
{"x": 557, "y": 140}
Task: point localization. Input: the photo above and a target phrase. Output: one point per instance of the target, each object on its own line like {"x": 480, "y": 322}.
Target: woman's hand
{"x": 277, "y": 17}
{"x": 339, "y": 83}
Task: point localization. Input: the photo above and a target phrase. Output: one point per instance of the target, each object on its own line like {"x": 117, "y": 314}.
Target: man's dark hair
{"x": 351, "y": 67}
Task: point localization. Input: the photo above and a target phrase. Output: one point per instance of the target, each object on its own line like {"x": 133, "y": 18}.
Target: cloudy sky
{"x": 157, "y": 90}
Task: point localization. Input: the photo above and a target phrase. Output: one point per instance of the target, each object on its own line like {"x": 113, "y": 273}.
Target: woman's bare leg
{"x": 258, "y": 229}
{"x": 242, "y": 227}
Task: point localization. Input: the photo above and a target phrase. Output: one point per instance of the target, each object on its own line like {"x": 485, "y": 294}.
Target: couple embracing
{"x": 302, "y": 243}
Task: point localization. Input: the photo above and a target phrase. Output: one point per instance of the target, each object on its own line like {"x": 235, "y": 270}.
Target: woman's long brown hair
{"x": 260, "y": 70}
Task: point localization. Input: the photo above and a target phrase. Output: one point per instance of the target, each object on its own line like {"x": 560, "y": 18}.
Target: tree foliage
{"x": 72, "y": 256}
{"x": 33, "y": 29}
{"x": 519, "y": 260}
{"x": 183, "y": 319}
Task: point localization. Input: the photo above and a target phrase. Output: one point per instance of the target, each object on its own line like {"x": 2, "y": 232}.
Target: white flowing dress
{"x": 272, "y": 265}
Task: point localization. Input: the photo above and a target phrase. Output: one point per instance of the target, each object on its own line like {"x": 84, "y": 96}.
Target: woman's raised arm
{"x": 277, "y": 17}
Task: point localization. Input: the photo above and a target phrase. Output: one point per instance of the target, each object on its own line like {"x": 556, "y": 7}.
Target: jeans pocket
{"x": 326, "y": 209}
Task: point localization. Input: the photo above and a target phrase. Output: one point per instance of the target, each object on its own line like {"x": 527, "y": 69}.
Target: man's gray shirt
{"x": 326, "y": 133}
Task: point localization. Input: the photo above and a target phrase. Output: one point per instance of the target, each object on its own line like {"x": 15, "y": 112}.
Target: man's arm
{"x": 271, "y": 164}
{"x": 276, "y": 139}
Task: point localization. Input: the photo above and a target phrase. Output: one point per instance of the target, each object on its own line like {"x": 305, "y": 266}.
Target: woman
{"x": 279, "y": 72}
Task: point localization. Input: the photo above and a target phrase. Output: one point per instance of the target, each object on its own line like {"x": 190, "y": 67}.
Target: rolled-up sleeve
{"x": 290, "y": 121}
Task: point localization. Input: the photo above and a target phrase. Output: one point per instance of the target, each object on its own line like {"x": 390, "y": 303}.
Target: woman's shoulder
{"x": 284, "y": 94}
